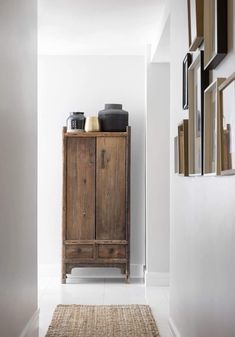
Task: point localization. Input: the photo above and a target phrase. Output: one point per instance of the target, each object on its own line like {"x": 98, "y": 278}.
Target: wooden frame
{"x": 198, "y": 81}
{"x": 186, "y": 64}
{"x": 227, "y": 125}
{"x": 183, "y": 147}
{"x": 176, "y": 155}
{"x": 215, "y": 32}
{"x": 212, "y": 145}
{"x": 195, "y": 23}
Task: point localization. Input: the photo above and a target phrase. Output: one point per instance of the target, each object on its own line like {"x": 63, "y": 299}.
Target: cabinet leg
{"x": 127, "y": 275}
{"x": 63, "y": 278}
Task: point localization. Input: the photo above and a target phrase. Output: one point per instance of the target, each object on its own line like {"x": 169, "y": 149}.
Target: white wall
{"x": 157, "y": 174}
{"x": 202, "y": 300}
{"x": 86, "y": 83}
{"x": 18, "y": 153}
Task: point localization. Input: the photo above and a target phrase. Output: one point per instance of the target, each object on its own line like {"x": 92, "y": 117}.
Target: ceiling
{"x": 97, "y": 26}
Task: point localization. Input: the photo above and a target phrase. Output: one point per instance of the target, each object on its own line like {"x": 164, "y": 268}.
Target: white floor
{"x": 102, "y": 291}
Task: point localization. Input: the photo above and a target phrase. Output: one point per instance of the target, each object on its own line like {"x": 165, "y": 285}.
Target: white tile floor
{"x": 102, "y": 291}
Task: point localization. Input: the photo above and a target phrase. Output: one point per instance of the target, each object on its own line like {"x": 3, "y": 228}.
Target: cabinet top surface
{"x": 95, "y": 134}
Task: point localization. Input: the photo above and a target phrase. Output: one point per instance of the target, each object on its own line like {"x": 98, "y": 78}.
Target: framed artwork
{"x": 186, "y": 63}
{"x": 195, "y": 23}
{"x": 183, "y": 147}
{"x": 176, "y": 154}
{"x": 198, "y": 81}
{"x": 227, "y": 125}
{"x": 212, "y": 146}
{"x": 215, "y": 32}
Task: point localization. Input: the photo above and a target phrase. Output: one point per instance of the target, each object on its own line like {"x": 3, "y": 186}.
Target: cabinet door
{"x": 80, "y": 210}
{"x": 110, "y": 189}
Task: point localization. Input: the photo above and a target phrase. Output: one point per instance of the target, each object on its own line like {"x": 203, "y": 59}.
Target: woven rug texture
{"x": 103, "y": 321}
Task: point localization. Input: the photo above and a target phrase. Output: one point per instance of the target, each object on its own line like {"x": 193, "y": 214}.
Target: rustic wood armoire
{"x": 96, "y": 201}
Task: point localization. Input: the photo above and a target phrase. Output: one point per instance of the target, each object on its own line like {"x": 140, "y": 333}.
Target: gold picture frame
{"x": 227, "y": 125}
{"x": 211, "y": 139}
{"x": 183, "y": 148}
{"x": 195, "y": 23}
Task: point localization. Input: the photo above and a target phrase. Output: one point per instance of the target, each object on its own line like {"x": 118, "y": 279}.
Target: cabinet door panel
{"x": 110, "y": 189}
{"x": 80, "y": 222}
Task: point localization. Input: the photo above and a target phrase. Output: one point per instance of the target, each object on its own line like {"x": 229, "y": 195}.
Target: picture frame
{"x": 212, "y": 144}
{"x": 195, "y": 23}
{"x": 176, "y": 155}
{"x": 227, "y": 125}
{"x": 186, "y": 64}
{"x": 215, "y": 32}
{"x": 183, "y": 148}
{"x": 198, "y": 81}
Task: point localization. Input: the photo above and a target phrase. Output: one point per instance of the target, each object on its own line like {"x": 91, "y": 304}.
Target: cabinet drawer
{"x": 79, "y": 251}
{"x": 112, "y": 251}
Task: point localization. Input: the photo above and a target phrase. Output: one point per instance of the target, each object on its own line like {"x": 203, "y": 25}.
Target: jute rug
{"x": 103, "y": 321}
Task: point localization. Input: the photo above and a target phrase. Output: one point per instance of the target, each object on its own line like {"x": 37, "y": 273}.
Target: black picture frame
{"x": 198, "y": 81}
{"x": 186, "y": 64}
{"x": 215, "y": 32}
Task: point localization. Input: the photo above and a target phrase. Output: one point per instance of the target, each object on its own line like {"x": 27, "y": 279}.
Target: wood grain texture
{"x": 103, "y": 242}
{"x": 80, "y": 189}
{"x": 96, "y": 201}
{"x": 111, "y": 251}
{"x": 105, "y": 262}
{"x": 79, "y": 251}
{"x": 96, "y": 134}
{"x": 110, "y": 189}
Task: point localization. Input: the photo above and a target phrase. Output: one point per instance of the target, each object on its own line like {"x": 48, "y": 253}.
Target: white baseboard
{"x": 54, "y": 270}
{"x": 137, "y": 270}
{"x": 31, "y": 328}
{"x": 173, "y": 330}
{"x": 157, "y": 279}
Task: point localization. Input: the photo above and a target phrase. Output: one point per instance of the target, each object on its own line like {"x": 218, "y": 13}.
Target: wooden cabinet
{"x": 96, "y": 201}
